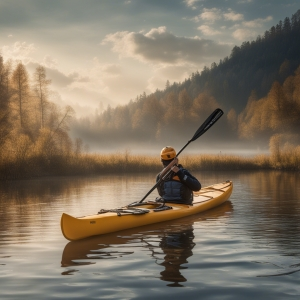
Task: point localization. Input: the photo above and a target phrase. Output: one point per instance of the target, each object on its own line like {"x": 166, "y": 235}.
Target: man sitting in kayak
{"x": 179, "y": 186}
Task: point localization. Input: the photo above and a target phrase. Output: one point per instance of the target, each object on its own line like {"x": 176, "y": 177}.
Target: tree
{"x": 232, "y": 119}
{"x": 41, "y": 90}
{"x": 121, "y": 118}
{"x": 171, "y": 110}
{"x": 167, "y": 85}
{"x": 287, "y": 27}
{"x": 295, "y": 21}
{"x": 185, "y": 103}
{"x": 5, "y": 125}
{"x": 277, "y": 103}
{"x": 202, "y": 106}
{"x": 53, "y": 138}
{"x": 145, "y": 120}
{"x": 20, "y": 81}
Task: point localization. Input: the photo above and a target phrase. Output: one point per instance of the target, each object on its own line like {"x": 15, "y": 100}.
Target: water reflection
{"x": 273, "y": 209}
{"x": 28, "y": 206}
{"x": 170, "y": 245}
{"x": 177, "y": 248}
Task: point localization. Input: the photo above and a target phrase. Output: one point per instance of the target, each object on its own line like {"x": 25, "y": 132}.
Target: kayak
{"x": 140, "y": 214}
{"x": 112, "y": 245}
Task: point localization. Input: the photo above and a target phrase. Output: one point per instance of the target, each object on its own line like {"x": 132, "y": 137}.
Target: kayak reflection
{"x": 170, "y": 244}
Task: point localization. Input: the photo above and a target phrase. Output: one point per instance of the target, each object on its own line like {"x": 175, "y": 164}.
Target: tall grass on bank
{"x": 101, "y": 164}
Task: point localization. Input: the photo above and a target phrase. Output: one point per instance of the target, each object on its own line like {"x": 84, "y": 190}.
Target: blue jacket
{"x": 179, "y": 188}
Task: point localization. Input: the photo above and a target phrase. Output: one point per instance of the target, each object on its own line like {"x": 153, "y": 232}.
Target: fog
{"x": 209, "y": 144}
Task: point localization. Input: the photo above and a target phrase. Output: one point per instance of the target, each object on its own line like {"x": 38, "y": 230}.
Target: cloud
{"x": 191, "y": 3}
{"x": 19, "y": 51}
{"x": 233, "y": 16}
{"x": 50, "y": 62}
{"x": 210, "y": 15}
{"x": 171, "y": 73}
{"x": 58, "y": 78}
{"x": 247, "y": 31}
{"x": 257, "y": 22}
{"x": 244, "y": 1}
{"x": 206, "y": 30}
{"x": 158, "y": 46}
{"x": 243, "y": 34}
{"x": 112, "y": 70}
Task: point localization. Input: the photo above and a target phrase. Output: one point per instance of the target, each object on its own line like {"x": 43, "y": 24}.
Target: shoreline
{"x": 104, "y": 164}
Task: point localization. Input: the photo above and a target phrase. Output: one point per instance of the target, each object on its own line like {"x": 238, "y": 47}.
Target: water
{"x": 248, "y": 247}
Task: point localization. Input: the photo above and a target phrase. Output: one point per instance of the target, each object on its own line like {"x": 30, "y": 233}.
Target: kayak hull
{"x": 78, "y": 228}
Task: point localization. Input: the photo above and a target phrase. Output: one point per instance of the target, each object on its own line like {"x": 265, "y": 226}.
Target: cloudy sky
{"x": 110, "y": 51}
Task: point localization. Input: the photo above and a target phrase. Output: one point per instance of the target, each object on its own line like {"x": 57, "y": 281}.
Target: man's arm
{"x": 187, "y": 178}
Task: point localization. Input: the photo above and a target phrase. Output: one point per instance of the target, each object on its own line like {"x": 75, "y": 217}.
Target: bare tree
{"x": 41, "y": 90}
{"x": 20, "y": 81}
{"x": 5, "y": 126}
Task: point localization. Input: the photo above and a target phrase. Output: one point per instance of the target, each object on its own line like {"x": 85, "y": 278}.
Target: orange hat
{"x": 167, "y": 153}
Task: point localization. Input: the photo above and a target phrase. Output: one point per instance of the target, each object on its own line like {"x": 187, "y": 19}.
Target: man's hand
{"x": 175, "y": 169}
{"x": 166, "y": 171}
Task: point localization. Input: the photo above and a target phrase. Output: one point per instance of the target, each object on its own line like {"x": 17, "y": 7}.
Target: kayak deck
{"x": 102, "y": 223}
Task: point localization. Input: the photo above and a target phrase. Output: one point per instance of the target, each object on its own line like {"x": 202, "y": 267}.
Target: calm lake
{"x": 248, "y": 247}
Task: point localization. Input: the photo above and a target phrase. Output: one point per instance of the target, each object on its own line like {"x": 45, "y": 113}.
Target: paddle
{"x": 209, "y": 122}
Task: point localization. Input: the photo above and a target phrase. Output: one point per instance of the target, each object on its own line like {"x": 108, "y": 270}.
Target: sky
{"x": 107, "y": 52}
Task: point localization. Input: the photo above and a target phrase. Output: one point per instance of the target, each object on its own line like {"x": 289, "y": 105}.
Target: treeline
{"x": 34, "y": 135}
{"x": 172, "y": 117}
{"x": 150, "y": 119}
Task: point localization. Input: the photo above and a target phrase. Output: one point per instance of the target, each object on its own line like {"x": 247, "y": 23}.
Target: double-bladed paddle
{"x": 209, "y": 122}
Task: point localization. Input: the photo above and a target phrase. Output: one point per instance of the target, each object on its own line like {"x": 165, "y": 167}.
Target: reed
{"x": 125, "y": 162}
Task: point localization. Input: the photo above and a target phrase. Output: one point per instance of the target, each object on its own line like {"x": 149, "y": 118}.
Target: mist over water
{"x": 203, "y": 145}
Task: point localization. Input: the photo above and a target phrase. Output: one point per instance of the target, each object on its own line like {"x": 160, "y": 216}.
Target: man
{"x": 179, "y": 186}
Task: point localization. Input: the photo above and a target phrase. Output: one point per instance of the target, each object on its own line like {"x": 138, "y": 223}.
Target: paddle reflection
{"x": 170, "y": 244}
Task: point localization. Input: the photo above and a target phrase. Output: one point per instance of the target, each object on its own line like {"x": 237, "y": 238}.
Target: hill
{"x": 249, "y": 74}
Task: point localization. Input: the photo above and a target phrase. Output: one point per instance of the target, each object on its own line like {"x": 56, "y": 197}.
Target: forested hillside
{"x": 254, "y": 66}
{"x": 257, "y": 69}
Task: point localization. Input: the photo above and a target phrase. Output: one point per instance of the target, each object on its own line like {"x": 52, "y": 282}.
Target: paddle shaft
{"x": 212, "y": 119}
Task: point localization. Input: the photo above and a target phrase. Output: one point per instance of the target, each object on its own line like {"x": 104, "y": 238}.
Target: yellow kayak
{"x": 107, "y": 221}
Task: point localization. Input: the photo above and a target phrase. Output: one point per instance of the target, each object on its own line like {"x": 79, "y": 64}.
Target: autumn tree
{"x": 202, "y": 106}
{"x": 277, "y": 106}
{"x": 232, "y": 119}
{"x": 185, "y": 104}
{"x": 20, "y": 82}
{"x": 122, "y": 119}
{"x": 41, "y": 89}
{"x": 5, "y": 124}
{"x": 276, "y": 115}
{"x": 171, "y": 109}
{"x": 54, "y": 139}
{"x": 145, "y": 120}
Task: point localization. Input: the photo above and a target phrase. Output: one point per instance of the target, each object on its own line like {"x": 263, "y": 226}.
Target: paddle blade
{"x": 210, "y": 121}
